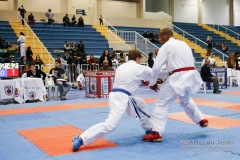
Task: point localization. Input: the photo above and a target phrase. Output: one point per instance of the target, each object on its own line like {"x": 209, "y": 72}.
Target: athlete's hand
{"x": 155, "y": 87}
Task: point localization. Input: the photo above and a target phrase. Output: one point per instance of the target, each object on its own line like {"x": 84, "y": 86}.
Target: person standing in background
{"x": 21, "y": 40}
{"x": 101, "y": 20}
{"x": 49, "y": 15}
{"x": 22, "y": 12}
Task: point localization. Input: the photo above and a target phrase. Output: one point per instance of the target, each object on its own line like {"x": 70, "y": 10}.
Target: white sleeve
{"x": 160, "y": 60}
{"x": 19, "y": 39}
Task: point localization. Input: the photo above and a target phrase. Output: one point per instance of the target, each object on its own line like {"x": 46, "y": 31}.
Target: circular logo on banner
{"x": 8, "y": 90}
{"x": 32, "y": 95}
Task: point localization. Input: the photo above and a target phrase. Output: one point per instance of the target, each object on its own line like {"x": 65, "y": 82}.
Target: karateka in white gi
{"x": 81, "y": 79}
{"x": 120, "y": 101}
{"x": 22, "y": 46}
{"x": 183, "y": 81}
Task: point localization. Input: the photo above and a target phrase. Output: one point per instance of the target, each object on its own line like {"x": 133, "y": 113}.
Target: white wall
{"x": 57, "y": 6}
{"x": 215, "y": 11}
{"x": 108, "y": 8}
{"x": 186, "y": 11}
{"x": 236, "y": 12}
{"x": 4, "y": 5}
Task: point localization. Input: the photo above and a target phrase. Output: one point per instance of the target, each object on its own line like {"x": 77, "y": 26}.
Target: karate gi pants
{"x": 119, "y": 104}
{"x": 166, "y": 95}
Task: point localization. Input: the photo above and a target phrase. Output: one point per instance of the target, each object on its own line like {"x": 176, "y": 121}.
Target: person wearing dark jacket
{"x": 208, "y": 77}
{"x": 150, "y": 60}
{"x": 106, "y": 56}
{"x": 35, "y": 73}
{"x": 57, "y": 75}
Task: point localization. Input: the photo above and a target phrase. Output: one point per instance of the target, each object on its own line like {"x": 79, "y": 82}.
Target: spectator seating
{"x": 8, "y": 34}
{"x": 140, "y": 30}
{"x": 201, "y": 33}
{"x": 54, "y": 38}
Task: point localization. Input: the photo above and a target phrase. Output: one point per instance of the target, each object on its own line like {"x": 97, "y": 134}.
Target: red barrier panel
{"x": 99, "y": 83}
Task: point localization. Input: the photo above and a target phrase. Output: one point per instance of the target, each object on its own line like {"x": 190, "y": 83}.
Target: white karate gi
{"x": 128, "y": 76}
{"x": 22, "y": 46}
{"x": 175, "y": 54}
{"x": 81, "y": 79}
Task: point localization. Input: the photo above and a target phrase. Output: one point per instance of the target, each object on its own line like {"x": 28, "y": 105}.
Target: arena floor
{"x": 43, "y": 131}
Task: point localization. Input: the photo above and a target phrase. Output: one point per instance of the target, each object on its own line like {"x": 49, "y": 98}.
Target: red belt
{"x": 183, "y": 69}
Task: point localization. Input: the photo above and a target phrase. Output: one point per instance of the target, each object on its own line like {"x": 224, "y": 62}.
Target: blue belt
{"x": 136, "y": 108}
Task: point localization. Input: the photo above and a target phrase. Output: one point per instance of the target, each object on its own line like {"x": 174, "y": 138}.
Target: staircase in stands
{"x": 33, "y": 42}
{"x": 220, "y": 33}
{"x": 197, "y": 48}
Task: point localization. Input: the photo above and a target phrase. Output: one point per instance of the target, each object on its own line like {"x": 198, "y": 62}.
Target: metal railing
{"x": 33, "y": 38}
{"x": 114, "y": 41}
{"x": 196, "y": 40}
{"x": 227, "y": 31}
{"x": 132, "y": 37}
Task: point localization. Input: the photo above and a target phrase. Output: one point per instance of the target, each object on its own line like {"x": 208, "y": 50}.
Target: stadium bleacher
{"x": 9, "y": 36}
{"x": 201, "y": 33}
{"x": 54, "y": 38}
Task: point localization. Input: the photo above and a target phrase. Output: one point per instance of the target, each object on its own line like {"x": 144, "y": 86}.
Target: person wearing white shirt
{"x": 119, "y": 100}
{"x": 22, "y": 46}
{"x": 81, "y": 79}
{"x": 183, "y": 81}
{"x": 212, "y": 60}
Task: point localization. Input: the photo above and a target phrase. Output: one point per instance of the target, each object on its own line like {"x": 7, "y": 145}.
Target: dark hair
{"x": 57, "y": 61}
{"x": 32, "y": 64}
{"x": 58, "y": 55}
{"x": 150, "y": 55}
{"x": 21, "y": 33}
{"x": 134, "y": 54}
{"x": 104, "y": 53}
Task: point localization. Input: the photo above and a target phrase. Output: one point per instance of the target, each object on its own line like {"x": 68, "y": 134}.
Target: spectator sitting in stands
{"x": 23, "y": 60}
{"x": 81, "y": 79}
{"x": 81, "y": 47}
{"x": 66, "y": 47}
{"x": 66, "y": 21}
{"x": 105, "y": 66}
{"x": 71, "y": 60}
{"x": 114, "y": 60}
{"x": 2, "y": 43}
{"x": 91, "y": 63}
{"x": 74, "y": 21}
{"x": 35, "y": 73}
{"x": 31, "y": 19}
{"x": 38, "y": 61}
{"x": 29, "y": 54}
{"x": 73, "y": 47}
{"x": 57, "y": 75}
{"x": 225, "y": 48}
{"x": 151, "y": 37}
{"x": 145, "y": 35}
{"x": 61, "y": 59}
{"x": 80, "y": 22}
{"x": 14, "y": 47}
{"x": 83, "y": 62}
{"x": 208, "y": 77}
{"x": 121, "y": 58}
{"x": 66, "y": 56}
{"x": 231, "y": 63}
{"x": 105, "y": 56}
